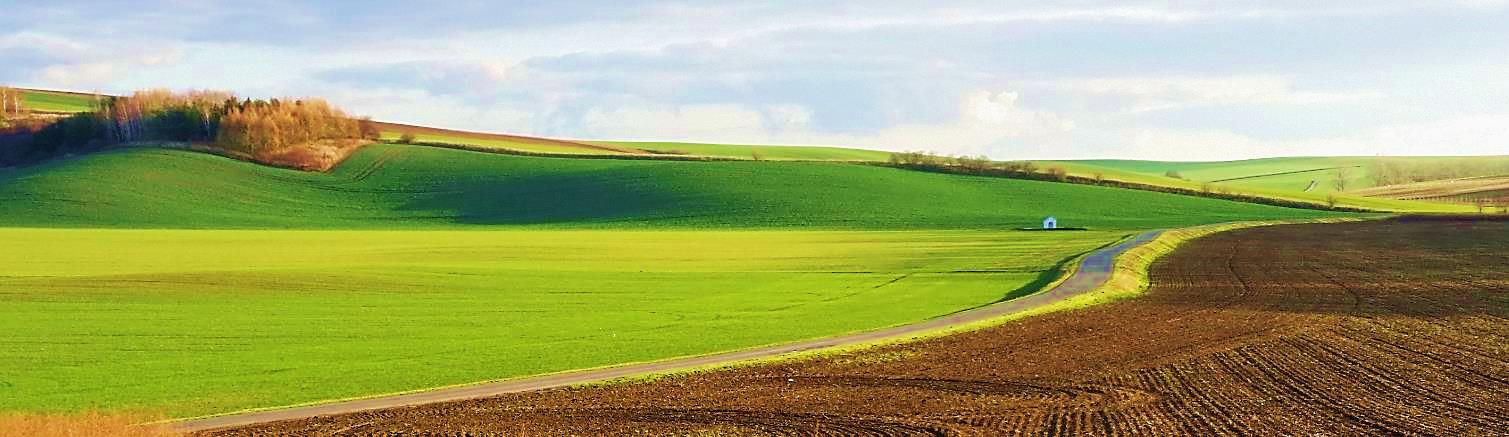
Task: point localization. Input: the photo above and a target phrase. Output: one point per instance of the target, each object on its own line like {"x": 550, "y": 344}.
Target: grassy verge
{"x": 81, "y": 425}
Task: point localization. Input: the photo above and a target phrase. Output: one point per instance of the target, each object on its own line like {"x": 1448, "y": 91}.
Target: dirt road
{"x": 1373, "y": 328}
{"x": 1092, "y": 271}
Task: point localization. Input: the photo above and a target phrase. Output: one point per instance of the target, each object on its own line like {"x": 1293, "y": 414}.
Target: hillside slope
{"x": 395, "y": 186}
{"x": 1307, "y": 179}
{"x": 795, "y": 153}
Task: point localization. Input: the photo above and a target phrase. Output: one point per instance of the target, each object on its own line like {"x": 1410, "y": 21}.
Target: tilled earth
{"x": 1397, "y": 327}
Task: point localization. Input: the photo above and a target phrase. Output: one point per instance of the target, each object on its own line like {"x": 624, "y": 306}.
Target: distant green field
{"x": 55, "y": 101}
{"x": 394, "y": 186}
{"x": 1282, "y": 178}
{"x": 197, "y": 322}
{"x": 499, "y": 144}
{"x": 814, "y": 153}
{"x": 1276, "y": 173}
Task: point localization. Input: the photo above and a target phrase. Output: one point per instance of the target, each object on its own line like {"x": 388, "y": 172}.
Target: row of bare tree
{"x": 972, "y": 164}
{"x": 213, "y": 119}
{"x": 1387, "y": 171}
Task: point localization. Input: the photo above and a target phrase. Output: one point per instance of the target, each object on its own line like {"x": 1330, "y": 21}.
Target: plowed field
{"x": 1380, "y": 328}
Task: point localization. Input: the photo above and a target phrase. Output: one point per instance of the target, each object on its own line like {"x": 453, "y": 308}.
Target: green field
{"x": 197, "y": 322}
{"x": 50, "y": 101}
{"x": 393, "y": 186}
{"x": 1280, "y": 178}
{"x": 187, "y": 283}
{"x": 801, "y": 153}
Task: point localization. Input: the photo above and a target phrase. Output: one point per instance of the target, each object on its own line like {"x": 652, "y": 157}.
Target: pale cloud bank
{"x": 1013, "y": 80}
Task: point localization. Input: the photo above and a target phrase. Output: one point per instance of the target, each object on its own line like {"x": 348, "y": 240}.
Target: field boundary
{"x": 1282, "y": 173}
{"x": 1113, "y": 272}
{"x": 669, "y": 366}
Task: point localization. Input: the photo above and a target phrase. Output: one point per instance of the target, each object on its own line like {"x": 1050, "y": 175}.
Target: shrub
{"x": 407, "y": 138}
{"x": 974, "y": 164}
{"x": 1173, "y": 174}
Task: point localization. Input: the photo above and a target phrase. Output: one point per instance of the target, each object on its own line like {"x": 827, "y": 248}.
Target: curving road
{"x": 1093, "y": 271}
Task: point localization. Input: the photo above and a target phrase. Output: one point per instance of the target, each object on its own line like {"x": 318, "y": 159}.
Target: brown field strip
{"x": 1396, "y": 327}
{"x": 1491, "y": 186}
{"x": 418, "y": 130}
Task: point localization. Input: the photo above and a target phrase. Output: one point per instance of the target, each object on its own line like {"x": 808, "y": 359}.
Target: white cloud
{"x": 788, "y": 117}
{"x": 79, "y": 75}
{"x": 1478, "y": 134}
{"x": 719, "y": 122}
{"x": 999, "y": 110}
{"x": 1145, "y": 94}
{"x": 53, "y": 45}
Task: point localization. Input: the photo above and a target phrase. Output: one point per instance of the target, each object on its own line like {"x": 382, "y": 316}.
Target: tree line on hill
{"x": 983, "y": 166}
{"x": 1386, "y": 171}
{"x": 272, "y": 131}
{"x": 980, "y": 165}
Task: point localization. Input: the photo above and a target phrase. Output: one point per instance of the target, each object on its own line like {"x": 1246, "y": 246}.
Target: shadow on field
{"x": 606, "y": 195}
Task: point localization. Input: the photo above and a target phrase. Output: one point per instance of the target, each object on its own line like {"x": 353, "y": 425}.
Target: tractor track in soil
{"x": 1388, "y": 327}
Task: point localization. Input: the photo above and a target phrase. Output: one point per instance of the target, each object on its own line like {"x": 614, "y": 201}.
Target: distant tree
{"x": 1331, "y": 200}
{"x": 1099, "y": 177}
{"x": 974, "y": 164}
{"x": 1173, "y": 174}
{"x": 406, "y": 138}
{"x": 1481, "y": 203}
{"x": 756, "y": 155}
{"x": 1058, "y": 173}
{"x": 368, "y": 128}
{"x": 1339, "y": 178}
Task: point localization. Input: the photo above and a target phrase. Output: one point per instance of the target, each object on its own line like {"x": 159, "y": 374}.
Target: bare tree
{"x": 1100, "y": 178}
{"x": 1339, "y": 178}
{"x": 1331, "y": 200}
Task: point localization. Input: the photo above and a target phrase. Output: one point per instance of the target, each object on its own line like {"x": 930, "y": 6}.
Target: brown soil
{"x": 406, "y": 128}
{"x": 1379, "y": 328}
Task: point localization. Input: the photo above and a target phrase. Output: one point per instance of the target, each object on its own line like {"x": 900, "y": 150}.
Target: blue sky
{"x": 1013, "y": 80}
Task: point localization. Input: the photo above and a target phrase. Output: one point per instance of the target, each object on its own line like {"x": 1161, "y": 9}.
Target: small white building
{"x": 1050, "y": 223}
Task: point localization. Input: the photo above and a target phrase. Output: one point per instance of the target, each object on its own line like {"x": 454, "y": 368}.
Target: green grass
{"x": 37, "y": 100}
{"x": 392, "y": 186}
{"x": 196, "y": 322}
{"x": 226, "y": 285}
{"x": 800, "y": 153}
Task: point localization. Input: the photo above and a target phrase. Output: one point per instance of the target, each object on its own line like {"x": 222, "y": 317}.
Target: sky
{"x": 1191, "y": 80}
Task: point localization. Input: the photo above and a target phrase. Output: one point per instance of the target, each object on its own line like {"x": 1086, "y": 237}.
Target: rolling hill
{"x": 56, "y": 101}
{"x": 1299, "y": 179}
{"x": 1307, "y": 179}
{"x": 396, "y": 186}
{"x": 793, "y": 153}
